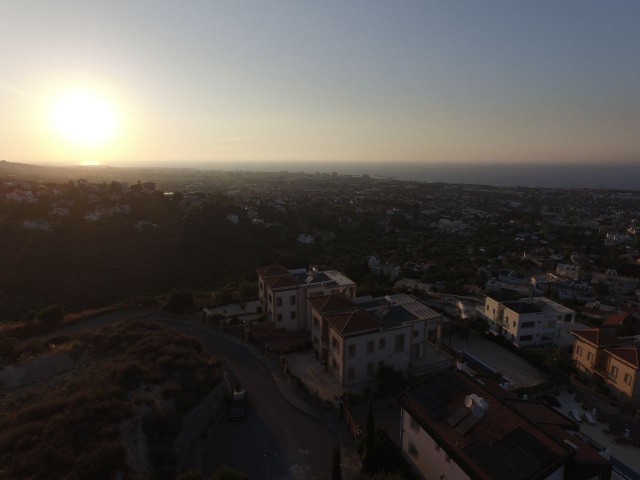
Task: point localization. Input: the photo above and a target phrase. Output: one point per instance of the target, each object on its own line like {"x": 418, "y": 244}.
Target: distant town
{"x": 436, "y": 330}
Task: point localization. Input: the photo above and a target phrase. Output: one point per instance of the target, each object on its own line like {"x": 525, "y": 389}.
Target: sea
{"x": 622, "y": 176}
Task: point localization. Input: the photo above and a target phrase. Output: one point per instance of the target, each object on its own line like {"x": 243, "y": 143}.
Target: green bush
{"x": 179, "y": 301}
{"x": 9, "y": 348}
{"x": 74, "y": 429}
{"x": 51, "y": 315}
{"x": 228, "y": 473}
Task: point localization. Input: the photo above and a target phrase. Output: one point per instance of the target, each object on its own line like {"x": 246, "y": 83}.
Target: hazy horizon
{"x": 623, "y": 175}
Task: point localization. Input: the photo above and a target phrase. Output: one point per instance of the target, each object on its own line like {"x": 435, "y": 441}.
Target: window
{"x": 487, "y": 308}
{"x": 279, "y": 301}
{"x": 270, "y": 299}
{"x": 528, "y": 324}
{"x": 382, "y": 344}
{"x": 334, "y": 342}
{"x": 627, "y": 378}
{"x": 413, "y": 451}
{"x": 579, "y": 350}
{"x": 351, "y": 351}
{"x": 413, "y": 424}
{"x": 614, "y": 372}
{"x": 514, "y": 324}
{"x": 351, "y": 373}
{"x": 279, "y": 317}
{"x": 293, "y": 315}
{"x": 315, "y": 321}
{"x": 398, "y": 345}
{"x": 370, "y": 369}
{"x": 371, "y": 346}
{"x": 292, "y": 300}
{"x": 590, "y": 356}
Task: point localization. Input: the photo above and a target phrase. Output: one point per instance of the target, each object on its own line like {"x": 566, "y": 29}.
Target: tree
{"x": 179, "y": 301}
{"x": 228, "y": 473}
{"x": 558, "y": 362}
{"x": 9, "y": 347}
{"x": 370, "y": 441}
{"x": 389, "y": 381}
{"x": 50, "y": 315}
{"x": 191, "y": 475}
{"x": 336, "y": 469}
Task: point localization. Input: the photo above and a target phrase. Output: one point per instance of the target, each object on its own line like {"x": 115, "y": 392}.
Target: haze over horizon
{"x": 237, "y": 83}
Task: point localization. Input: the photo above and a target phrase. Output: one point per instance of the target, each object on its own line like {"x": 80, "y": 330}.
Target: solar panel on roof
{"x": 531, "y": 446}
{"x": 438, "y": 391}
{"x": 455, "y": 418}
{"x": 467, "y": 424}
{"x": 485, "y": 457}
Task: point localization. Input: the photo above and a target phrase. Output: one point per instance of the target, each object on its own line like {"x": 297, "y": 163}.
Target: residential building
{"x": 565, "y": 288}
{"x": 454, "y": 426}
{"x": 319, "y": 307}
{"x": 609, "y": 360}
{"x": 512, "y": 277}
{"x": 622, "y": 371}
{"x": 355, "y": 338}
{"x": 283, "y": 293}
{"x": 527, "y": 321}
{"x": 621, "y": 323}
{"x": 616, "y": 284}
{"x": 589, "y": 352}
{"x": 568, "y": 270}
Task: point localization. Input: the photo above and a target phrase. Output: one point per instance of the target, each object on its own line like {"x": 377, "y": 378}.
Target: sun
{"x": 84, "y": 118}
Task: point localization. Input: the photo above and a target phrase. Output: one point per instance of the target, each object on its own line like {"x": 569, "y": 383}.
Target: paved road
{"x": 276, "y": 440}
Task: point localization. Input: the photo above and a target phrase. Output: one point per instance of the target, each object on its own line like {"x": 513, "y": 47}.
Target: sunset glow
{"x": 84, "y": 119}
{"x": 235, "y": 83}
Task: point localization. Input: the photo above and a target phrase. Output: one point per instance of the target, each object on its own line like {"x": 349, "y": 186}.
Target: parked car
{"x": 238, "y": 407}
{"x": 551, "y": 400}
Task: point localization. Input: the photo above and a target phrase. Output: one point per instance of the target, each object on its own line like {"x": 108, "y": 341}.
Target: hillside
{"x": 99, "y": 403}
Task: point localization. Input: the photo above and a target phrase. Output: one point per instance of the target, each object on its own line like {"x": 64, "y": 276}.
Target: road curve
{"x": 275, "y": 441}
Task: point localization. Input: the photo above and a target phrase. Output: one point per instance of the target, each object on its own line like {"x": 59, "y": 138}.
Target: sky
{"x": 225, "y": 82}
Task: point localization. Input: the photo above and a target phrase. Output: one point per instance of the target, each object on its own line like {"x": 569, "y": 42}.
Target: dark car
{"x": 238, "y": 407}
{"x": 551, "y": 400}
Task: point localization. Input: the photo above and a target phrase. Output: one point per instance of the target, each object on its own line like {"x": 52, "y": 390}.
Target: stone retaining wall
{"x": 196, "y": 421}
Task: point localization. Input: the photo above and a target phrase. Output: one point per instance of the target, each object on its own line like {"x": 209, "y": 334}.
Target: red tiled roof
{"x": 353, "y": 322}
{"x": 629, "y": 354}
{"x": 482, "y": 449}
{"x": 271, "y": 270}
{"x": 331, "y": 303}
{"x": 596, "y": 337}
{"x": 282, "y": 281}
{"x": 616, "y": 319}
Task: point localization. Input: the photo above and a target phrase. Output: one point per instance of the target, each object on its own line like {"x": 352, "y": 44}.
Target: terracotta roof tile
{"x": 616, "y": 319}
{"x": 629, "y": 354}
{"x": 331, "y": 303}
{"x": 596, "y": 337}
{"x": 271, "y": 270}
{"x": 282, "y": 281}
{"x": 353, "y": 322}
